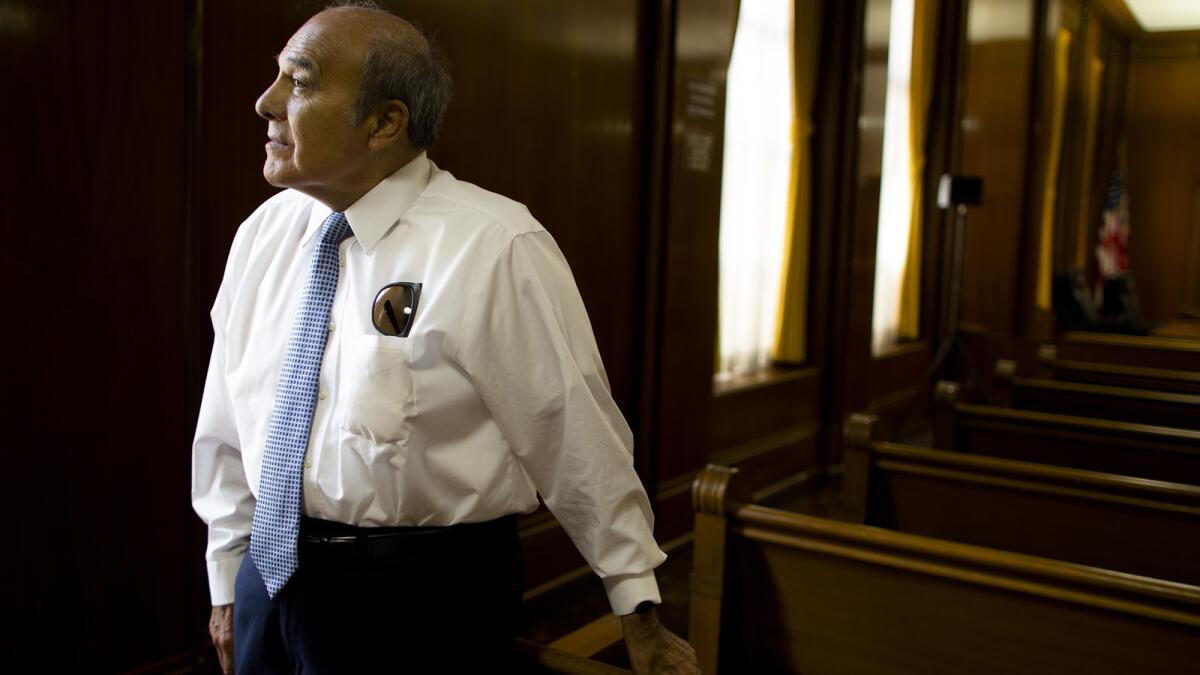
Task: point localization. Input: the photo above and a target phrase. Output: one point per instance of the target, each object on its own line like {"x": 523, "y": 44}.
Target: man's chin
{"x": 275, "y": 176}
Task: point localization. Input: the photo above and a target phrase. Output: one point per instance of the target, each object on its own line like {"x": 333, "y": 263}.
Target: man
{"x": 400, "y": 360}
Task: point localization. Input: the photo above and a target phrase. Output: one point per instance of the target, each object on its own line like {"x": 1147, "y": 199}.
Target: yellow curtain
{"x": 1084, "y": 224}
{"x": 925, "y": 17}
{"x": 792, "y": 317}
{"x": 1062, "y": 60}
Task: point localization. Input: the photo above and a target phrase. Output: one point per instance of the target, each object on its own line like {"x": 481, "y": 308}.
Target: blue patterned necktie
{"x": 277, "y": 514}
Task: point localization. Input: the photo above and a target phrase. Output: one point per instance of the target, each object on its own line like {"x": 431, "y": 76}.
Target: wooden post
{"x": 1004, "y": 377}
{"x": 1047, "y": 354}
{"x": 945, "y": 400}
{"x": 709, "y": 492}
{"x": 858, "y": 431}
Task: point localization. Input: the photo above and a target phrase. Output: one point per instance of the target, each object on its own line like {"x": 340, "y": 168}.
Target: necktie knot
{"x": 335, "y": 229}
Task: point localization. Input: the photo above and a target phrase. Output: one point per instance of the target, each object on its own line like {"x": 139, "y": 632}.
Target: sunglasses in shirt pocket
{"x": 380, "y": 399}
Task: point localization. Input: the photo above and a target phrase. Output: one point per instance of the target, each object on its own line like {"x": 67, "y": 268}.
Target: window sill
{"x": 725, "y": 384}
{"x": 900, "y": 349}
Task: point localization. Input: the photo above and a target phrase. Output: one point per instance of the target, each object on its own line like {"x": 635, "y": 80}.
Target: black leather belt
{"x": 325, "y": 540}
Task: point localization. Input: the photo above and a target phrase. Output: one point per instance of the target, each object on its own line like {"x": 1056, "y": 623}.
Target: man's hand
{"x": 220, "y": 629}
{"x": 654, "y": 650}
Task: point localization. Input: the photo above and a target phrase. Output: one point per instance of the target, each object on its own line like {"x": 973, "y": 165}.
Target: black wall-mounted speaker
{"x": 959, "y": 190}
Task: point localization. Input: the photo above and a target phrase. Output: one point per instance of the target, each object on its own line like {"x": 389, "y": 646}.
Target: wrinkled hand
{"x": 220, "y": 629}
{"x": 654, "y": 650}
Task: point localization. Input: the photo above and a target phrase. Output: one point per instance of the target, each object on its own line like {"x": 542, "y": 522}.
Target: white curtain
{"x": 759, "y": 115}
{"x": 895, "y": 198}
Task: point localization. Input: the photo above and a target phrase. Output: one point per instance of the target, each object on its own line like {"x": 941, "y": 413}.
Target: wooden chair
{"x": 1108, "y": 446}
{"x": 1112, "y": 522}
{"x": 779, "y": 592}
{"x": 1142, "y": 406}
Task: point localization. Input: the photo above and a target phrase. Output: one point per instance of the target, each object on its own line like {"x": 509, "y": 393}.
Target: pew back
{"x": 1142, "y": 406}
{"x": 1111, "y": 522}
{"x": 1131, "y": 350}
{"x": 1116, "y": 374}
{"x": 1122, "y": 448}
{"x": 782, "y": 592}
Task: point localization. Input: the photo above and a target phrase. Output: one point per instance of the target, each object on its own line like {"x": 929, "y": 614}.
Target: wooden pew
{"x": 1143, "y": 527}
{"x": 1115, "y": 374}
{"x": 1123, "y": 448}
{"x": 776, "y": 592}
{"x": 1131, "y": 350}
{"x": 535, "y": 658}
{"x": 1124, "y": 404}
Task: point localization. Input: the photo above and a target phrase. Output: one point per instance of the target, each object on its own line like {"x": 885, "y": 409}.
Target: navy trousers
{"x": 445, "y": 601}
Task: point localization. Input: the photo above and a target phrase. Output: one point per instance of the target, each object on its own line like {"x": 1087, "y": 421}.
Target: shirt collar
{"x": 374, "y": 214}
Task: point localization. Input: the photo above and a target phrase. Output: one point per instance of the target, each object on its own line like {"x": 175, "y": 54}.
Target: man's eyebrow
{"x": 302, "y": 62}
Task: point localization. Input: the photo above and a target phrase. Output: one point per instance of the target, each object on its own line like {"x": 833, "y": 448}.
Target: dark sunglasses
{"x": 395, "y": 307}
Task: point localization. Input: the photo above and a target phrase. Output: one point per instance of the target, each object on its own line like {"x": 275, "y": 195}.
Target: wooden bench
{"x": 1112, "y": 522}
{"x": 535, "y": 658}
{"x": 1123, "y": 448}
{"x": 1131, "y": 350}
{"x": 1115, "y": 374}
{"x": 775, "y": 592}
{"x": 1123, "y": 404}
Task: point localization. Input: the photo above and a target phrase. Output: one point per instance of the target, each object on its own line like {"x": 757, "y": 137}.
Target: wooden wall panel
{"x": 549, "y": 108}
{"x": 92, "y": 282}
{"x": 995, "y": 133}
{"x": 1163, "y": 129}
{"x": 703, "y": 40}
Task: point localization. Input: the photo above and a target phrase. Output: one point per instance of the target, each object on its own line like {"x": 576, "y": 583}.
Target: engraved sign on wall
{"x": 701, "y": 104}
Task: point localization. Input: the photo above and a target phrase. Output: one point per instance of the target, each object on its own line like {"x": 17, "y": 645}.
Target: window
{"x": 896, "y": 189}
{"x": 756, "y": 183}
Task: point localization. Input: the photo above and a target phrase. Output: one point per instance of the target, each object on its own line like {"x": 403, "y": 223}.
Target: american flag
{"x": 1111, "y": 249}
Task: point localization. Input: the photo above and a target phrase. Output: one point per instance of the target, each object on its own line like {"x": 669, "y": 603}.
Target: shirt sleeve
{"x": 528, "y": 346}
{"x": 220, "y": 493}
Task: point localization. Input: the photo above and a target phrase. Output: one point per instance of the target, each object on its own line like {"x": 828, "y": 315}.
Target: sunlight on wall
{"x": 895, "y": 199}
{"x": 759, "y": 116}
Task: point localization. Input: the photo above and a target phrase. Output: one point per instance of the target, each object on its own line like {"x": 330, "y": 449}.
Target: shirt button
{"x": 308, "y": 462}
{"x": 322, "y": 394}
{"x": 332, "y": 326}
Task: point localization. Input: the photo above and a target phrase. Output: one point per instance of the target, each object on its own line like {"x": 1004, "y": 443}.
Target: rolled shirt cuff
{"x": 627, "y": 591}
{"x": 222, "y": 577}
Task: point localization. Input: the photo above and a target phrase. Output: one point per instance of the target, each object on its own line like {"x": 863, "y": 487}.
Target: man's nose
{"x": 270, "y": 105}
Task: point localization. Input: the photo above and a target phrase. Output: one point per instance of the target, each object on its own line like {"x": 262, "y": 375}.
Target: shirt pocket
{"x": 379, "y": 400}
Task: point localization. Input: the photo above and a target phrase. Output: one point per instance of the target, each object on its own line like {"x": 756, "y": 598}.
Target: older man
{"x": 401, "y": 363}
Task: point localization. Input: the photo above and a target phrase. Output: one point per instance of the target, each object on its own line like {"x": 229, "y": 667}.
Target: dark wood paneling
{"x": 1163, "y": 129}
{"x": 548, "y": 108}
{"x": 703, "y": 39}
{"x": 92, "y": 282}
{"x": 788, "y": 399}
{"x": 995, "y": 130}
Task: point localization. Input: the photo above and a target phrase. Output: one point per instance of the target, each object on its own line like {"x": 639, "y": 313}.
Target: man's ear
{"x": 389, "y": 124}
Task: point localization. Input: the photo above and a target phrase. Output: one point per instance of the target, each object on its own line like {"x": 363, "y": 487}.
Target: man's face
{"x": 313, "y": 145}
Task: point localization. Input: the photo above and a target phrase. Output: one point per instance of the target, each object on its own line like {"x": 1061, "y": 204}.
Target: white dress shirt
{"x": 498, "y": 393}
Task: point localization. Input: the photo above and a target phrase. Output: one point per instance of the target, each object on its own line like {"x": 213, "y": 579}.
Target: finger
{"x": 226, "y": 656}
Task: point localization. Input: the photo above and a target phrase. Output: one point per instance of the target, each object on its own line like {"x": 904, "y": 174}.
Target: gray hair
{"x": 403, "y": 65}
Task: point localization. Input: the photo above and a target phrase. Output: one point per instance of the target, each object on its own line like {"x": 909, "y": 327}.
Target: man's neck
{"x": 342, "y": 199}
